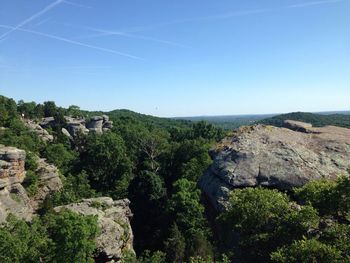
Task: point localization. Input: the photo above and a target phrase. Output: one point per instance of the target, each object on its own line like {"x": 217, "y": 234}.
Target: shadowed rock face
{"x": 113, "y": 218}
{"x": 275, "y": 157}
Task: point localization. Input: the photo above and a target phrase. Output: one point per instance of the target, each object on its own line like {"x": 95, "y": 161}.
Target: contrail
{"x": 76, "y": 5}
{"x": 42, "y": 22}
{"x": 73, "y": 42}
{"x": 102, "y": 32}
{"x": 229, "y": 15}
{"x": 314, "y": 3}
{"x": 26, "y": 21}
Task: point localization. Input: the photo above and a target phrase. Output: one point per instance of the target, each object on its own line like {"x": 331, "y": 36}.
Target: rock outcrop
{"x": 113, "y": 217}
{"x": 13, "y": 197}
{"x": 73, "y": 126}
{"x": 275, "y": 157}
{"x": 40, "y": 131}
{"x": 99, "y": 124}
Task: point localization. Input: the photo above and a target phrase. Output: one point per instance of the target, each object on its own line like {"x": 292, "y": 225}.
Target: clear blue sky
{"x": 178, "y": 58}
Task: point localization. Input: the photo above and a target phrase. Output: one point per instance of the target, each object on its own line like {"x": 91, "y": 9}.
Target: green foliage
{"x": 104, "y": 159}
{"x": 307, "y": 251}
{"x": 21, "y": 242}
{"x": 147, "y": 195}
{"x": 155, "y": 257}
{"x": 76, "y": 187}
{"x": 317, "y": 120}
{"x": 31, "y": 182}
{"x": 175, "y": 245}
{"x": 28, "y": 109}
{"x": 328, "y": 197}
{"x": 8, "y": 111}
{"x": 59, "y": 155}
{"x": 264, "y": 220}
{"x": 73, "y": 235}
{"x": 185, "y": 205}
{"x": 17, "y": 135}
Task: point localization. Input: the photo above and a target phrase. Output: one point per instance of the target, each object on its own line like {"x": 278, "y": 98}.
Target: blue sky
{"x": 178, "y": 58}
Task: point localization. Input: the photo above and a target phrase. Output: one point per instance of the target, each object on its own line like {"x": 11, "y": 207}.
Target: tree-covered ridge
{"x": 317, "y": 120}
{"x": 157, "y": 166}
{"x": 154, "y": 162}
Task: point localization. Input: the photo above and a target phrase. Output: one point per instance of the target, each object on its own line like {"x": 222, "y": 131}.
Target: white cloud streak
{"x": 102, "y": 33}
{"x": 73, "y": 42}
{"x": 314, "y": 3}
{"x": 77, "y": 5}
{"x": 230, "y": 15}
{"x": 31, "y": 18}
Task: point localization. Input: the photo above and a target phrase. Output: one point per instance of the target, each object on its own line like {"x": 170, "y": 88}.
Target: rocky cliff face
{"x": 13, "y": 197}
{"x": 281, "y": 158}
{"x": 113, "y": 218}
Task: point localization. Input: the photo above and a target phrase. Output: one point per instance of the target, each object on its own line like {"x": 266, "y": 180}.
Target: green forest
{"x": 317, "y": 120}
{"x": 156, "y": 163}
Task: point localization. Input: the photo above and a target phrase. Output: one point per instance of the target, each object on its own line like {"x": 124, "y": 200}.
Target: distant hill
{"x": 146, "y": 119}
{"x": 316, "y": 119}
{"x": 229, "y": 122}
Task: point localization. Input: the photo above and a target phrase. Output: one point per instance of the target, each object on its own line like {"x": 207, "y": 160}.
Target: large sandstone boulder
{"x": 275, "y": 157}
{"x": 113, "y": 218}
{"x": 95, "y": 124}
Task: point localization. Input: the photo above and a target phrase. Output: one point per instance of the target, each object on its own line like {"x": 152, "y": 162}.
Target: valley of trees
{"x": 156, "y": 163}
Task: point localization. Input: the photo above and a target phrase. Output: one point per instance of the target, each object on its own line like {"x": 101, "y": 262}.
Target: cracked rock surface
{"x": 280, "y": 158}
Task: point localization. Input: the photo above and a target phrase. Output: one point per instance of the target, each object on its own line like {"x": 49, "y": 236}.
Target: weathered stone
{"x": 113, "y": 218}
{"x": 66, "y": 133}
{"x": 105, "y": 118}
{"x": 298, "y": 126}
{"x": 108, "y": 125}
{"x": 49, "y": 182}
{"x": 47, "y": 122}
{"x": 13, "y": 197}
{"x": 275, "y": 157}
{"x": 11, "y": 166}
{"x": 41, "y": 132}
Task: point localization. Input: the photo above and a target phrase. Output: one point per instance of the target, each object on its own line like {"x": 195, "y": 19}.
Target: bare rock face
{"x": 12, "y": 162}
{"x": 75, "y": 126}
{"x": 13, "y": 197}
{"x": 113, "y": 218}
{"x": 41, "y": 132}
{"x": 275, "y": 157}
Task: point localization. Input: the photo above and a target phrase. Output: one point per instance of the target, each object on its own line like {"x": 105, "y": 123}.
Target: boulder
{"x": 66, "y": 133}
{"x": 41, "y": 132}
{"x": 113, "y": 217}
{"x": 95, "y": 124}
{"x": 275, "y": 157}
